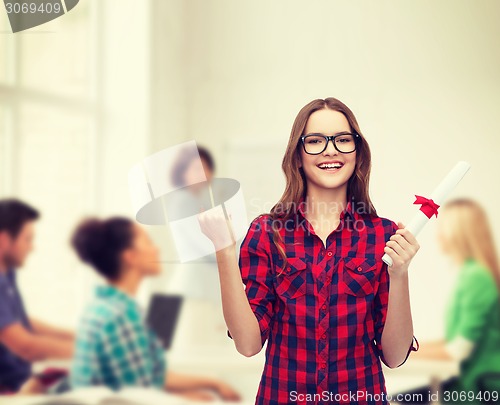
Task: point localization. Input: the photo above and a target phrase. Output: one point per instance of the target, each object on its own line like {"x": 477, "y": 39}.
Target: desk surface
{"x": 43, "y": 400}
{"x": 415, "y": 373}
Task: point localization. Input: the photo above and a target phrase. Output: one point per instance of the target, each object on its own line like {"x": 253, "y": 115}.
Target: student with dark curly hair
{"x": 114, "y": 346}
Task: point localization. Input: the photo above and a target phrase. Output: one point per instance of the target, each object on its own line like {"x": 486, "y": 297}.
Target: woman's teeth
{"x": 330, "y": 166}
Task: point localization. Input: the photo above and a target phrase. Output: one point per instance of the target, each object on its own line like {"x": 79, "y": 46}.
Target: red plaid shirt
{"x": 324, "y": 315}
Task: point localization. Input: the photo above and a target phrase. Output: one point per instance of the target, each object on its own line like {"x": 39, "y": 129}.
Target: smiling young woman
{"x": 316, "y": 288}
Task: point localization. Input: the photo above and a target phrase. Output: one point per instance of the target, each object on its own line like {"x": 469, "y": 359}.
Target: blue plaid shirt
{"x": 114, "y": 347}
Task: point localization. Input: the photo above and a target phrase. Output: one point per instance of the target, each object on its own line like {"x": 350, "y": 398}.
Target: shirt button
{"x": 324, "y": 336}
{"x": 323, "y": 307}
{"x": 323, "y": 365}
{"x": 329, "y": 254}
{"x": 360, "y": 268}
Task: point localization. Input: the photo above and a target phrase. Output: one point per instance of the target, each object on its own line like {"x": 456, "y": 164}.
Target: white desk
{"x": 244, "y": 373}
{"x": 168, "y": 400}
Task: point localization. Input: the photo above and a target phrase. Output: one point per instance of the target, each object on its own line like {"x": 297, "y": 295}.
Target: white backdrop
{"x": 421, "y": 77}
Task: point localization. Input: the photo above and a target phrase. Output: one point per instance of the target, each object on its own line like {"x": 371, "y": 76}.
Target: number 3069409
{"x": 31, "y": 8}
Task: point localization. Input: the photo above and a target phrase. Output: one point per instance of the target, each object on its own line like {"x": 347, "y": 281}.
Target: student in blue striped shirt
{"x": 114, "y": 347}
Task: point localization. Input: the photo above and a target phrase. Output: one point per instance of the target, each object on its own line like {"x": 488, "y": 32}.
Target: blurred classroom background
{"x": 85, "y": 97}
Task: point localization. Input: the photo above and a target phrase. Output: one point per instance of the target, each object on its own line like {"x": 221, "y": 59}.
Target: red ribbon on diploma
{"x": 429, "y": 207}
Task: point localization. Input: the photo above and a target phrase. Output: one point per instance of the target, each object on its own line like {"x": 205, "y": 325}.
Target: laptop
{"x": 162, "y": 316}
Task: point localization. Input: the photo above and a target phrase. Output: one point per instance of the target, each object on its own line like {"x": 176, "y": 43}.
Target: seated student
{"x": 472, "y": 327}
{"x": 23, "y": 340}
{"x": 114, "y": 347}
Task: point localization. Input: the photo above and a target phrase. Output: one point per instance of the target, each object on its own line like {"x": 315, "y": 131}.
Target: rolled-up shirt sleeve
{"x": 256, "y": 273}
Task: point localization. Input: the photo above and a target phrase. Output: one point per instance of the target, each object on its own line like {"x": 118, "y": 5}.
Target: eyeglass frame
{"x": 332, "y": 138}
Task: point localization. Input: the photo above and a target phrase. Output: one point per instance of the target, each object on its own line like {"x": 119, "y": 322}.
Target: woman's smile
{"x": 331, "y": 166}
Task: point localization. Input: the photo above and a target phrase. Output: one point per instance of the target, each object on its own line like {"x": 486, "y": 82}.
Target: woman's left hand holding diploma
{"x": 401, "y": 247}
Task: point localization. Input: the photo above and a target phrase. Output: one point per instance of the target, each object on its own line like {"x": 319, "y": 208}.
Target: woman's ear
{"x": 128, "y": 257}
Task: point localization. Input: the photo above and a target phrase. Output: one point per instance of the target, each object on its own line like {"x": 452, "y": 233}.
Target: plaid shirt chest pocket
{"x": 359, "y": 276}
{"x": 292, "y": 282}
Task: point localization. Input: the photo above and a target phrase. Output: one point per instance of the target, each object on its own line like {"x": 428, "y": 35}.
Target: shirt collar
{"x": 109, "y": 291}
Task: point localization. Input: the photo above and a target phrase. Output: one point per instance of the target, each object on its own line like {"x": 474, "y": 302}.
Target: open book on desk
{"x": 126, "y": 396}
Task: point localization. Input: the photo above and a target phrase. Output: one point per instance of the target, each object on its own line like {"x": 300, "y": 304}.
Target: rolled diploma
{"x": 438, "y": 196}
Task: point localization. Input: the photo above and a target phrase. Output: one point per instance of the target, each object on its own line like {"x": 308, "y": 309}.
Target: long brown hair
{"x": 468, "y": 232}
{"x": 296, "y": 184}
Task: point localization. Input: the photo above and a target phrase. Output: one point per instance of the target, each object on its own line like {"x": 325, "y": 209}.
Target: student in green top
{"x": 472, "y": 327}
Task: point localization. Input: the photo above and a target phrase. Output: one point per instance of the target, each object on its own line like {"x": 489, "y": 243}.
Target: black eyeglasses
{"x": 314, "y": 144}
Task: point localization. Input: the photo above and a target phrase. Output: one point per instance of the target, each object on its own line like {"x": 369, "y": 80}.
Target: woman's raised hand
{"x": 217, "y": 228}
